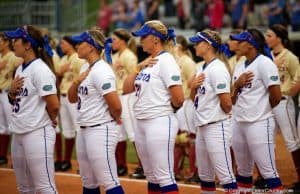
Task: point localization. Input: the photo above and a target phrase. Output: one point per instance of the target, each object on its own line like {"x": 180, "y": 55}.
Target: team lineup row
{"x": 104, "y": 99}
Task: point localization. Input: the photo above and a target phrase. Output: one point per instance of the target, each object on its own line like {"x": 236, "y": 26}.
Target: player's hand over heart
{"x": 82, "y": 76}
{"x": 244, "y": 79}
{"x": 149, "y": 62}
{"x": 197, "y": 81}
{"x": 16, "y": 85}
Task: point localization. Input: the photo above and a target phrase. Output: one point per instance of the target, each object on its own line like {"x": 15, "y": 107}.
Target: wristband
{"x": 76, "y": 82}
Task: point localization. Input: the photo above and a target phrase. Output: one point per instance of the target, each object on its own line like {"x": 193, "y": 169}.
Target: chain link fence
{"x": 56, "y": 15}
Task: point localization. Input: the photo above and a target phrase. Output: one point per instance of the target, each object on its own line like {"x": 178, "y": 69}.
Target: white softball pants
{"x": 254, "y": 142}
{"x": 286, "y": 120}
{"x": 33, "y": 163}
{"x": 128, "y": 118}
{"x": 155, "y": 140}
{"x": 185, "y": 117}
{"x": 213, "y": 152}
{"x": 95, "y": 147}
{"x": 68, "y": 117}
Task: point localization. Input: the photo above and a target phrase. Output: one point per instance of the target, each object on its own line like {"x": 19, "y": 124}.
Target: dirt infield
{"x": 70, "y": 183}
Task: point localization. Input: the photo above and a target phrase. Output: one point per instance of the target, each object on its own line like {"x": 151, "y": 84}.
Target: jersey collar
{"x": 25, "y": 65}
{"x": 206, "y": 64}
{"x": 247, "y": 63}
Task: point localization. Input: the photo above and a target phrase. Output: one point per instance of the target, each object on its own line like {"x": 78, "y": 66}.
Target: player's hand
{"x": 82, "y": 76}
{"x": 54, "y": 123}
{"x": 197, "y": 81}
{"x": 244, "y": 79}
{"x": 3, "y": 64}
{"x": 16, "y": 85}
{"x": 149, "y": 62}
{"x": 65, "y": 68}
{"x": 118, "y": 65}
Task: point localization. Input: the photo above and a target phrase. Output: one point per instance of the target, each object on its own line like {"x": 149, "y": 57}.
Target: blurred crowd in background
{"x": 199, "y": 14}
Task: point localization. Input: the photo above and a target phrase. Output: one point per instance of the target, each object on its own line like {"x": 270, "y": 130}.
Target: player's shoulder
{"x": 290, "y": 55}
{"x": 217, "y": 64}
{"x": 167, "y": 59}
{"x": 101, "y": 67}
{"x": 39, "y": 66}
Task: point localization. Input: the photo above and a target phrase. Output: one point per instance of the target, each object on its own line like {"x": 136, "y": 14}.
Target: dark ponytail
{"x": 261, "y": 41}
{"x": 41, "y": 50}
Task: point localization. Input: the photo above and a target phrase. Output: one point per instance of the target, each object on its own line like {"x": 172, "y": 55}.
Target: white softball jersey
{"x": 29, "y": 110}
{"x": 151, "y": 87}
{"x": 253, "y": 99}
{"x": 206, "y": 102}
{"x": 91, "y": 106}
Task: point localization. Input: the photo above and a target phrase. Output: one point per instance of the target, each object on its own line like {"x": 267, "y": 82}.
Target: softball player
{"x": 124, "y": 63}
{"x": 158, "y": 91}
{"x": 69, "y": 70}
{"x": 184, "y": 143}
{"x": 99, "y": 110}
{"x": 8, "y": 64}
{"x": 34, "y": 112}
{"x": 255, "y": 84}
{"x": 287, "y": 64}
{"x": 210, "y": 90}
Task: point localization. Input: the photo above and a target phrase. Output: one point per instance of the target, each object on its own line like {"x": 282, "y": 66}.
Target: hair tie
{"x": 172, "y": 35}
{"x": 47, "y": 46}
{"x": 267, "y": 51}
{"x": 224, "y": 48}
{"x": 107, "y": 50}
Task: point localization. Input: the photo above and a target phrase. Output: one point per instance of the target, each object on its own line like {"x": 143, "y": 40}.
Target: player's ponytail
{"x": 42, "y": 49}
{"x": 182, "y": 41}
{"x": 260, "y": 40}
{"x": 282, "y": 33}
{"x": 105, "y": 44}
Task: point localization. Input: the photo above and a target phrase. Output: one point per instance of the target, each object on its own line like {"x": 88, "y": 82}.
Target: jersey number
{"x": 196, "y": 102}
{"x": 137, "y": 89}
{"x": 79, "y": 103}
{"x": 16, "y": 105}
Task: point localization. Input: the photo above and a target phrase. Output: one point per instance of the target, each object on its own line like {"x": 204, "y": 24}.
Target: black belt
{"x": 63, "y": 95}
{"x": 283, "y": 98}
{"x": 97, "y": 125}
{"x": 215, "y": 122}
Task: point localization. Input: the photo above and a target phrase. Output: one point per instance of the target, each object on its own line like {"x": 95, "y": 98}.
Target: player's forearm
{"x": 193, "y": 94}
{"x": 234, "y": 94}
{"x": 52, "y": 106}
{"x": 73, "y": 92}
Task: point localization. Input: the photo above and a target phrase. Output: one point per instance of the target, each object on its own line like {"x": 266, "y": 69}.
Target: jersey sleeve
{"x": 45, "y": 81}
{"x": 220, "y": 79}
{"x": 104, "y": 82}
{"x": 170, "y": 72}
{"x": 293, "y": 66}
{"x": 269, "y": 73}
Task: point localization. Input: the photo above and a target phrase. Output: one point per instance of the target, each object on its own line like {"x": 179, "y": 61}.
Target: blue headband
{"x": 22, "y": 33}
{"x": 86, "y": 37}
{"x": 146, "y": 30}
{"x": 246, "y": 36}
{"x": 200, "y": 36}
{"x": 107, "y": 50}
